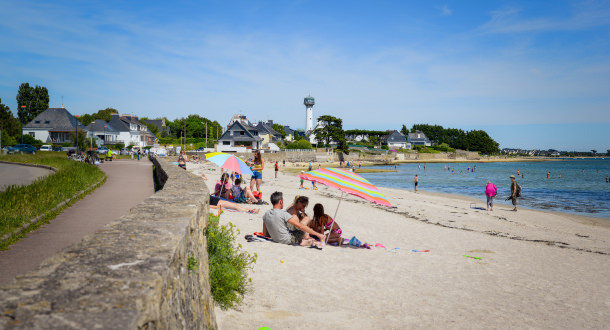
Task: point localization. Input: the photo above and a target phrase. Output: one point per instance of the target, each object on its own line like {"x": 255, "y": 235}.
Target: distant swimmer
{"x": 607, "y": 179}
{"x": 425, "y": 168}
{"x": 419, "y": 167}
{"x": 522, "y": 175}
{"x": 560, "y": 175}
{"x": 548, "y": 175}
{"x": 518, "y": 173}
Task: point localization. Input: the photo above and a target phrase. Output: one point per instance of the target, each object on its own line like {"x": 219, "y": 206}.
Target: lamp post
{"x": 105, "y": 135}
{"x": 76, "y": 132}
{"x": 22, "y": 107}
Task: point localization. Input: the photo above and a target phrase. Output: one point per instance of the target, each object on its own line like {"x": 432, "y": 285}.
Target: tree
{"x": 105, "y": 114}
{"x": 593, "y": 151}
{"x": 331, "y": 130}
{"x": 34, "y": 100}
{"x": 86, "y": 119}
{"x": 404, "y": 130}
{"x": 280, "y": 129}
{"x": 8, "y": 123}
{"x": 82, "y": 139}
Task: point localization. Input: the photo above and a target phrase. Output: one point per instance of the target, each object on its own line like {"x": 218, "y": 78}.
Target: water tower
{"x": 309, "y": 102}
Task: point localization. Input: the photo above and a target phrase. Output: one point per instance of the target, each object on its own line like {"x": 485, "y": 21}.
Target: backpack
{"x": 518, "y": 191}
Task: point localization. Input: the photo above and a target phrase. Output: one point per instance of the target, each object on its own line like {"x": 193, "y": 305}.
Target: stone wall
{"x": 131, "y": 274}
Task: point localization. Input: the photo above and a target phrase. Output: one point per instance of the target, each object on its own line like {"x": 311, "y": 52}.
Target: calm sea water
{"x": 580, "y": 192}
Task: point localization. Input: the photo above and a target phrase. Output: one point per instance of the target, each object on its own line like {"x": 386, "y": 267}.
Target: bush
{"x": 300, "y": 144}
{"x": 229, "y": 265}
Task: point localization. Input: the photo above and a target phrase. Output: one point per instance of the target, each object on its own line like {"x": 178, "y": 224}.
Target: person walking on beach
{"x": 490, "y": 191}
{"x": 277, "y": 168}
{"x": 416, "y": 181}
{"x": 513, "y": 191}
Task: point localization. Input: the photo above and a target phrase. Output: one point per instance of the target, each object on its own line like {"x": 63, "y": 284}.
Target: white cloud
{"x": 445, "y": 11}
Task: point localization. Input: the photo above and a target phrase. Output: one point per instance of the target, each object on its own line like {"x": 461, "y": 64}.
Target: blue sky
{"x": 534, "y": 74}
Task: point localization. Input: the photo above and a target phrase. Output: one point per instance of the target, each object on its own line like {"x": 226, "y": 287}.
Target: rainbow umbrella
{"x": 347, "y": 182}
{"x": 229, "y": 162}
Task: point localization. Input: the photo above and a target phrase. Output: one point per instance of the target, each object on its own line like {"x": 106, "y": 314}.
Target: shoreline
{"x": 525, "y": 276}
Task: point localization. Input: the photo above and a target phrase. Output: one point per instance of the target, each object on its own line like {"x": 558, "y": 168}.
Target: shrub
{"x": 229, "y": 265}
{"x": 300, "y": 144}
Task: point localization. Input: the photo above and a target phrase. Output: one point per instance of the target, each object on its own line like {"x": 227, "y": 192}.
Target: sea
{"x": 581, "y": 190}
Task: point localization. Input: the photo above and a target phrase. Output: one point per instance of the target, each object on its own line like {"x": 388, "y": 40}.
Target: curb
{"x": 31, "y": 165}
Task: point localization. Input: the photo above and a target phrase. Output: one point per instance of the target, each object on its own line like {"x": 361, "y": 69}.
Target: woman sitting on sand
{"x": 321, "y": 222}
{"x": 223, "y": 187}
{"x": 298, "y": 209}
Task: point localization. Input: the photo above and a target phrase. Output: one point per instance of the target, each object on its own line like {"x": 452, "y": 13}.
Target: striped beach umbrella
{"x": 346, "y": 182}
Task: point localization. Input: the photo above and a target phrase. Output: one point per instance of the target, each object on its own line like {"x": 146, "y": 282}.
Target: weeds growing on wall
{"x": 19, "y": 205}
{"x": 229, "y": 264}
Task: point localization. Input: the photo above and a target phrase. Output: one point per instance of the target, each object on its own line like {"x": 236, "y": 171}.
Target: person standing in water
{"x": 416, "y": 181}
{"x": 513, "y": 191}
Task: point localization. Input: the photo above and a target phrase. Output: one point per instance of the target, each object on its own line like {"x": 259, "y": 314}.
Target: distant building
{"x": 395, "y": 140}
{"x": 132, "y": 131}
{"x": 419, "y": 139}
{"x": 103, "y": 132}
{"x": 162, "y": 129}
{"x": 239, "y": 137}
{"x": 54, "y": 125}
{"x": 267, "y": 133}
{"x": 289, "y": 134}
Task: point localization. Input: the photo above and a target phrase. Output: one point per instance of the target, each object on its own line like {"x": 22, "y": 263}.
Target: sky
{"x": 533, "y": 74}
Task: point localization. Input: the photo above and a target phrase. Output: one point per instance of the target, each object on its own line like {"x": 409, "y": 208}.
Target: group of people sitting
{"x": 294, "y": 227}
{"x": 230, "y": 188}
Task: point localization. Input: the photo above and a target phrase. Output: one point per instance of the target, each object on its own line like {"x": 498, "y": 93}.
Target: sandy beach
{"x": 537, "y": 269}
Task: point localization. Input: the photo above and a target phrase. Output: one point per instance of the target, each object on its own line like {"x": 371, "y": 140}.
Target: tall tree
{"x": 8, "y": 123}
{"x": 105, "y": 114}
{"x": 331, "y": 130}
{"x": 280, "y": 129}
{"x": 404, "y": 130}
{"x": 31, "y": 101}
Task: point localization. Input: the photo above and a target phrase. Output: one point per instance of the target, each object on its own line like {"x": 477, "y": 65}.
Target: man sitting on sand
{"x": 285, "y": 228}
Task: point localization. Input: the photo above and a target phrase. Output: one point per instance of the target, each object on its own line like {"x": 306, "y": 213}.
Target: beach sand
{"x": 538, "y": 269}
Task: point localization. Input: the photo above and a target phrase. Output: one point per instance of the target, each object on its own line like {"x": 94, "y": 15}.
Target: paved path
{"x": 13, "y": 174}
{"x": 129, "y": 183}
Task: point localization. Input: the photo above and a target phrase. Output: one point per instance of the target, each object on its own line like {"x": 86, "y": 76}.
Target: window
{"x": 241, "y": 133}
{"x": 226, "y": 143}
{"x": 47, "y": 122}
{"x": 37, "y": 121}
{"x": 32, "y": 134}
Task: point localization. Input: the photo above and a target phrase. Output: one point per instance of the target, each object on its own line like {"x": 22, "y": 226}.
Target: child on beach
{"x": 223, "y": 187}
{"x": 322, "y": 222}
{"x": 416, "y": 181}
{"x": 301, "y": 186}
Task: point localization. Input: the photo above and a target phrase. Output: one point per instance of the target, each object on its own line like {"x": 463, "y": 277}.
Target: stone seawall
{"x": 131, "y": 274}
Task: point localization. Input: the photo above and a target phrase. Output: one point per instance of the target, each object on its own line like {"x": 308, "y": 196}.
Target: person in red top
{"x": 416, "y": 181}
{"x": 277, "y": 168}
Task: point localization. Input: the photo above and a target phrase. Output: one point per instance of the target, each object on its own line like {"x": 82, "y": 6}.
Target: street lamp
{"x": 105, "y": 135}
{"x": 22, "y": 107}
{"x": 76, "y": 131}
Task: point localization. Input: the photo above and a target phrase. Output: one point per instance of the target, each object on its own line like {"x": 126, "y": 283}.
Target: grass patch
{"x": 20, "y": 204}
{"x": 229, "y": 264}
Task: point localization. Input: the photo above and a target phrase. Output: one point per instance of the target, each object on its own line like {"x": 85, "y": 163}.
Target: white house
{"x": 103, "y": 132}
{"x": 239, "y": 137}
{"x": 54, "y": 125}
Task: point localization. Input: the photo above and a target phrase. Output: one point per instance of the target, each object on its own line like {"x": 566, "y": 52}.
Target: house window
{"x": 47, "y": 122}
{"x": 231, "y": 133}
{"x": 226, "y": 143}
{"x": 37, "y": 121}
{"x": 241, "y": 133}
{"x": 32, "y": 134}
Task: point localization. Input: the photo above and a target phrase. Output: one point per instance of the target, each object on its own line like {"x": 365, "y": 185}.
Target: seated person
{"x": 321, "y": 222}
{"x": 243, "y": 195}
{"x": 298, "y": 208}
{"x": 285, "y": 228}
{"x": 223, "y": 187}
{"x": 215, "y": 202}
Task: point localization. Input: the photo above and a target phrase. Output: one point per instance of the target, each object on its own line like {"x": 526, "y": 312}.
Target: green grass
{"x": 229, "y": 265}
{"x": 20, "y": 204}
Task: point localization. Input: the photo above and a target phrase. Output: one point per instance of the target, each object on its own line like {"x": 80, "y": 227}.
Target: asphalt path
{"x": 14, "y": 174}
{"x": 129, "y": 182}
